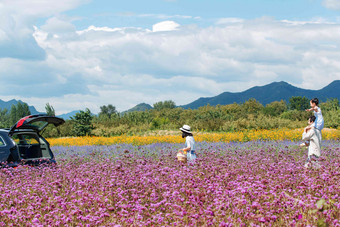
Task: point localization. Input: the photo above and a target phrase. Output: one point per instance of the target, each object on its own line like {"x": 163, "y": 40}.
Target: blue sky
{"x": 81, "y": 53}
{"x": 144, "y": 14}
{"x": 130, "y": 13}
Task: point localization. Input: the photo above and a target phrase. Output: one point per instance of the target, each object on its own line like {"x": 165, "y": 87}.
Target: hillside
{"x": 7, "y": 105}
{"x": 275, "y": 91}
{"x": 68, "y": 116}
{"x": 139, "y": 107}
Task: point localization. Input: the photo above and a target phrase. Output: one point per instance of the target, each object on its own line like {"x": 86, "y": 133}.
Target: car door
{"x": 36, "y": 123}
{"x": 4, "y": 150}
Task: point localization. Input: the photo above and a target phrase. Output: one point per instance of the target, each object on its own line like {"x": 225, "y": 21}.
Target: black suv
{"x": 23, "y": 144}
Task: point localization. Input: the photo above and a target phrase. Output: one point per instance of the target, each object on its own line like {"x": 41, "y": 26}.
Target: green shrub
{"x": 296, "y": 115}
{"x": 332, "y": 118}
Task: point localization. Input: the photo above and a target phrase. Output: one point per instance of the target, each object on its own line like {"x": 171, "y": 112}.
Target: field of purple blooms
{"x": 230, "y": 184}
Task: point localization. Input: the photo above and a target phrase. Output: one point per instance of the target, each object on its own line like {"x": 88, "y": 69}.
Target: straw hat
{"x": 186, "y": 128}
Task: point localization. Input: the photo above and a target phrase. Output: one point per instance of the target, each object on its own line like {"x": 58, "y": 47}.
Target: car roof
{"x": 3, "y": 130}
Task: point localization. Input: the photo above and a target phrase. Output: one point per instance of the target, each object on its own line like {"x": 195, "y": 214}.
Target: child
{"x": 319, "y": 122}
{"x": 189, "y": 142}
{"x": 314, "y": 137}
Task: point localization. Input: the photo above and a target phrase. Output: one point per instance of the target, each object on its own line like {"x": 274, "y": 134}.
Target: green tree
{"x": 83, "y": 123}
{"x": 4, "y": 119}
{"x": 168, "y": 104}
{"x": 331, "y": 113}
{"x": 252, "y": 106}
{"x": 331, "y": 104}
{"x": 275, "y": 108}
{"x": 108, "y": 111}
{"x": 298, "y": 103}
{"x": 13, "y": 115}
{"x": 26, "y": 110}
{"x": 49, "y": 110}
{"x": 20, "y": 111}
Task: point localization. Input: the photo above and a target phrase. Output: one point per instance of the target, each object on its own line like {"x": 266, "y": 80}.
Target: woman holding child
{"x": 312, "y": 134}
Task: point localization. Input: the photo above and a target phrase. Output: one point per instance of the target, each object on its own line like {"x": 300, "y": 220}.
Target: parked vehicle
{"x": 23, "y": 144}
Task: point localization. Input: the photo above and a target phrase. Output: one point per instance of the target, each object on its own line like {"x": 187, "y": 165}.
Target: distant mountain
{"x": 68, "y": 116}
{"x": 139, "y": 107}
{"x": 7, "y": 105}
{"x": 275, "y": 91}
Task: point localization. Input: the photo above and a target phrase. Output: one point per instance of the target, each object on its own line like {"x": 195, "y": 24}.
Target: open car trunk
{"x": 31, "y": 147}
{"x": 35, "y": 122}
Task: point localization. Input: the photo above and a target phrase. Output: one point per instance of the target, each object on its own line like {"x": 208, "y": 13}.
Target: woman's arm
{"x": 188, "y": 144}
{"x": 307, "y": 135}
{"x": 186, "y": 149}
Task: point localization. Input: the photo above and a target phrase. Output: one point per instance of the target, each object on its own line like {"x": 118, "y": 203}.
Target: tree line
{"x": 166, "y": 116}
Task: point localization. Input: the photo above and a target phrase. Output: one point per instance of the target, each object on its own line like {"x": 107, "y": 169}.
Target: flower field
{"x": 243, "y": 136}
{"x": 230, "y": 184}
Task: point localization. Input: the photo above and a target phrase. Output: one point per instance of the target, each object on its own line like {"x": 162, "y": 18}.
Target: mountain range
{"x": 7, "y": 105}
{"x": 275, "y": 91}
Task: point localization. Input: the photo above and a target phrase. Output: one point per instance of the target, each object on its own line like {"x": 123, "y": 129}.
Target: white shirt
{"x": 319, "y": 122}
{"x": 190, "y": 142}
{"x": 314, "y": 136}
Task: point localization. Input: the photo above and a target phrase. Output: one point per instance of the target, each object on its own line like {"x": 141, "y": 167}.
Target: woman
{"x": 189, "y": 142}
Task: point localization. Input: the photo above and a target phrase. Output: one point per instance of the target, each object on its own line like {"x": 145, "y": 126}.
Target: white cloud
{"x": 332, "y": 4}
{"x": 229, "y": 20}
{"x": 102, "y": 29}
{"x": 17, "y": 18}
{"x": 126, "y": 66}
{"x": 165, "y": 26}
{"x": 55, "y": 25}
{"x": 39, "y": 8}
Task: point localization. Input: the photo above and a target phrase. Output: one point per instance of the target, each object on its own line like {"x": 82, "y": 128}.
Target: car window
{"x": 2, "y": 142}
{"x": 38, "y": 124}
{"x": 26, "y": 139}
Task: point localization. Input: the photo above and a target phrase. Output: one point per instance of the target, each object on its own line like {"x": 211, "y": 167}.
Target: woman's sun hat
{"x": 186, "y": 128}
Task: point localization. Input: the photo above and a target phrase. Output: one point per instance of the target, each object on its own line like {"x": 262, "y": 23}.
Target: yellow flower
{"x": 276, "y": 134}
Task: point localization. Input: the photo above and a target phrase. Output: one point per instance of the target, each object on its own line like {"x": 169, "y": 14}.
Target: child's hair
{"x": 315, "y": 100}
{"x": 185, "y": 134}
{"x": 312, "y": 118}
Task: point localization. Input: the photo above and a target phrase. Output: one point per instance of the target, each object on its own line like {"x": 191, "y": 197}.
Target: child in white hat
{"x": 189, "y": 142}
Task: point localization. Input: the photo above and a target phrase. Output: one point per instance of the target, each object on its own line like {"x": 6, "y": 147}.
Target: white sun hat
{"x": 186, "y": 128}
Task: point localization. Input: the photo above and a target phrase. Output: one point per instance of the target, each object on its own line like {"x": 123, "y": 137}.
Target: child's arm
{"x": 315, "y": 109}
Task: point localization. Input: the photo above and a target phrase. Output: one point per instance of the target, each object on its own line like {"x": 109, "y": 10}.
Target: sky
{"x": 77, "y": 54}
